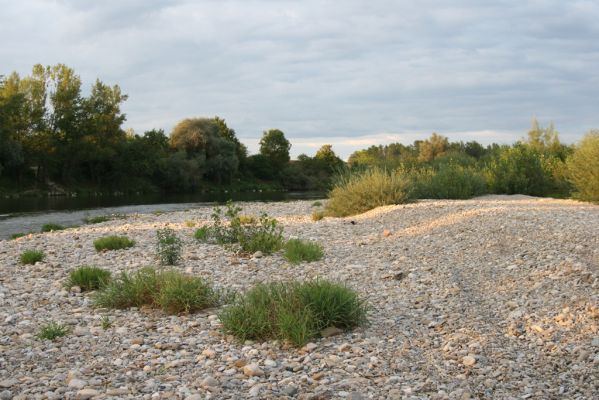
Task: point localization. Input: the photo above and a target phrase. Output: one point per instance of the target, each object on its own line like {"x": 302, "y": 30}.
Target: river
{"x": 29, "y": 214}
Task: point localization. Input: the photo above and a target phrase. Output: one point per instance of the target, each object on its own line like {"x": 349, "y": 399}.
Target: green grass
{"x": 357, "y": 192}
{"x": 52, "y": 331}
{"x": 32, "y": 256}
{"x": 202, "y": 234}
{"x": 105, "y": 322}
{"x": 52, "y": 227}
{"x": 317, "y": 204}
{"x": 20, "y": 234}
{"x": 88, "y": 278}
{"x": 169, "y": 290}
{"x": 189, "y": 223}
{"x": 297, "y": 250}
{"x": 317, "y": 215}
{"x": 291, "y": 311}
{"x": 113, "y": 243}
{"x": 168, "y": 246}
{"x": 96, "y": 220}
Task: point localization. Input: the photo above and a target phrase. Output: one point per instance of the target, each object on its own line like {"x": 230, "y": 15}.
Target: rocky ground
{"x": 496, "y": 297}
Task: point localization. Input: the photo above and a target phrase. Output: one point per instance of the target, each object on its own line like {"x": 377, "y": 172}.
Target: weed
{"x": 317, "y": 204}
{"x": 297, "y": 250}
{"x": 168, "y": 246}
{"x": 317, "y": 215}
{"x": 113, "y": 243}
{"x": 88, "y": 278}
{"x": 96, "y": 220}
{"x": 32, "y": 256}
{"x": 51, "y": 227}
{"x": 202, "y": 234}
{"x": 105, "y": 321}
{"x": 190, "y": 223}
{"x": 247, "y": 219}
{"x": 20, "y": 234}
{"x": 158, "y": 212}
{"x": 293, "y": 311}
{"x": 52, "y": 331}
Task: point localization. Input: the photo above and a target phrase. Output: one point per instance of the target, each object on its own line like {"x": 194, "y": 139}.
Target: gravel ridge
{"x": 495, "y": 297}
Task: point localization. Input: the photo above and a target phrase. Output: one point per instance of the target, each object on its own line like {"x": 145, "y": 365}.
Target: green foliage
{"x": 105, "y": 321}
{"x": 20, "y": 234}
{"x": 292, "y": 311}
{"x": 52, "y": 331}
{"x": 317, "y": 204}
{"x": 88, "y": 278}
{"x": 583, "y": 167}
{"x": 168, "y": 247}
{"x": 251, "y": 235}
{"x": 190, "y": 223}
{"x": 52, "y": 227}
{"x": 297, "y": 250}
{"x": 450, "y": 181}
{"x": 317, "y": 215}
{"x": 171, "y": 291}
{"x": 275, "y": 148}
{"x": 32, "y": 256}
{"x": 96, "y": 220}
{"x": 113, "y": 243}
{"x": 357, "y": 192}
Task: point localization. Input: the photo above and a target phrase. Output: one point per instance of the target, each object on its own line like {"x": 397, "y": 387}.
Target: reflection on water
{"x": 29, "y": 214}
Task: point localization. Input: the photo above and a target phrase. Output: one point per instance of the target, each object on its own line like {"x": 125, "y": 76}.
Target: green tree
{"x": 275, "y": 147}
{"x": 583, "y": 167}
{"x": 327, "y": 157}
{"x": 432, "y": 147}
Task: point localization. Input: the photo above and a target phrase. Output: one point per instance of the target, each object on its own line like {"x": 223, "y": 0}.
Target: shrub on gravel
{"x": 52, "y": 227}
{"x": 450, "y": 181}
{"x": 317, "y": 215}
{"x": 292, "y": 311}
{"x": 168, "y": 247}
{"x": 32, "y": 256}
{"x": 52, "y": 331}
{"x": 583, "y": 167}
{"x": 172, "y": 291}
{"x": 356, "y": 192}
{"x": 96, "y": 220}
{"x": 297, "y": 250}
{"x": 20, "y": 234}
{"x": 113, "y": 243}
{"x": 88, "y": 278}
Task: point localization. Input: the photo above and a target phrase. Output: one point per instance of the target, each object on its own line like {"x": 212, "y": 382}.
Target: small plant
{"x": 51, "y": 227}
{"x": 317, "y": 215}
{"x": 20, "y": 234}
{"x": 96, "y": 220}
{"x": 105, "y": 321}
{"x": 88, "y": 278}
{"x": 296, "y": 312}
{"x": 317, "y": 204}
{"x": 158, "y": 212}
{"x": 202, "y": 234}
{"x": 168, "y": 246}
{"x": 189, "y": 223}
{"x": 113, "y": 243}
{"x": 171, "y": 291}
{"x": 32, "y": 256}
{"x": 297, "y": 250}
{"x": 52, "y": 331}
{"x": 247, "y": 219}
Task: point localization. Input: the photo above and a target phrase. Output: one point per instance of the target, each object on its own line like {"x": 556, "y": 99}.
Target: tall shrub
{"x": 583, "y": 167}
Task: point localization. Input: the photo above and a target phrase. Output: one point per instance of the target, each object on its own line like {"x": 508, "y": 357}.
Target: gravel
{"x": 495, "y": 297}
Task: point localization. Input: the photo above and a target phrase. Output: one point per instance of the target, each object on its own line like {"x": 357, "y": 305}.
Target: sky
{"x": 350, "y": 73}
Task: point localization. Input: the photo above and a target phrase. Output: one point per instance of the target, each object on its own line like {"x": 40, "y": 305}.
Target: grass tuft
{"x": 113, "y": 243}
{"x": 171, "y": 291}
{"x": 317, "y": 215}
{"x": 88, "y": 278}
{"x": 297, "y": 250}
{"x": 96, "y": 220}
{"x": 105, "y": 322}
{"x": 52, "y": 331}
{"x": 20, "y": 234}
{"x": 32, "y": 256}
{"x": 296, "y": 312}
{"x": 317, "y": 203}
{"x": 52, "y": 228}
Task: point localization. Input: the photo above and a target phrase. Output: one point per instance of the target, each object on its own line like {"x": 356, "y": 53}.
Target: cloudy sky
{"x": 351, "y": 73}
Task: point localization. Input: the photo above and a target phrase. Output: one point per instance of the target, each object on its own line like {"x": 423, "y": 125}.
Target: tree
{"x": 327, "y": 157}
{"x": 432, "y": 147}
{"x": 583, "y": 167}
{"x": 275, "y": 147}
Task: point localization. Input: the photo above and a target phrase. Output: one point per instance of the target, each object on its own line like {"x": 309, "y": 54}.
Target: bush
{"x": 317, "y": 204}
{"x": 168, "y": 246}
{"x": 583, "y": 168}
{"x": 32, "y": 256}
{"x": 171, "y": 291}
{"x": 51, "y": 227}
{"x": 20, "y": 234}
{"x": 293, "y": 311}
{"x": 88, "y": 278}
{"x": 52, "y": 331}
{"x": 250, "y": 234}
{"x": 450, "y": 181}
{"x": 113, "y": 243}
{"x": 96, "y": 220}
{"x": 357, "y": 192}
{"x": 317, "y": 215}
{"x": 297, "y": 250}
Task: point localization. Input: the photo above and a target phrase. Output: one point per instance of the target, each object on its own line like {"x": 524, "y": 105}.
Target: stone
{"x": 252, "y": 370}
{"x": 209, "y": 382}
{"x": 355, "y": 396}
{"x": 310, "y": 347}
{"x": 194, "y": 397}
{"x": 255, "y": 390}
{"x": 344, "y": 347}
{"x": 137, "y": 340}
{"x": 6, "y": 395}
{"x": 85, "y": 394}
{"x": 117, "y": 392}
{"x": 330, "y": 331}
{"x": 8, "y": 383}
{"x": 209, "y": 353}
{"x": 468, "y": 361}
{"x": 77, "y": 383}
{"x": 258, "y": 254}
{"x": 290, "y": 390}
{"x": 387, "y": 233}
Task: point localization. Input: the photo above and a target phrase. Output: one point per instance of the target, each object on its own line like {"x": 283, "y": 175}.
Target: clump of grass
{"x": 20, "y": 234}
{"x": 105, "y": 322}
{"x": 52, "y": 331}
{"x": 52, "y": 227}
{"x": 32, "y": 256}
{"x": 297, "y": 250}
{"x": 317, "y": 215}
{"x": 296, "y": 312}
{"x": 113, "y": 243}
{"x": 88, "y": 278}
{"x": 249, "y": 234}
{"x": 158, "y": 212}
{"x": 189, "y": 223}
{"x": 96, "y": 220}
{"x": 168, "y": 246}
{"x": 357, "y": 192}
{"x": 171, "y": 291}
{"x": 317, "y": 203}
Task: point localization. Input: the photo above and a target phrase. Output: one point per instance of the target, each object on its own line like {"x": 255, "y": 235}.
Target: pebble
{"x": 468, "y": 361}
{"x": 86, "y": 394}
{"x": 252, "y": 370}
